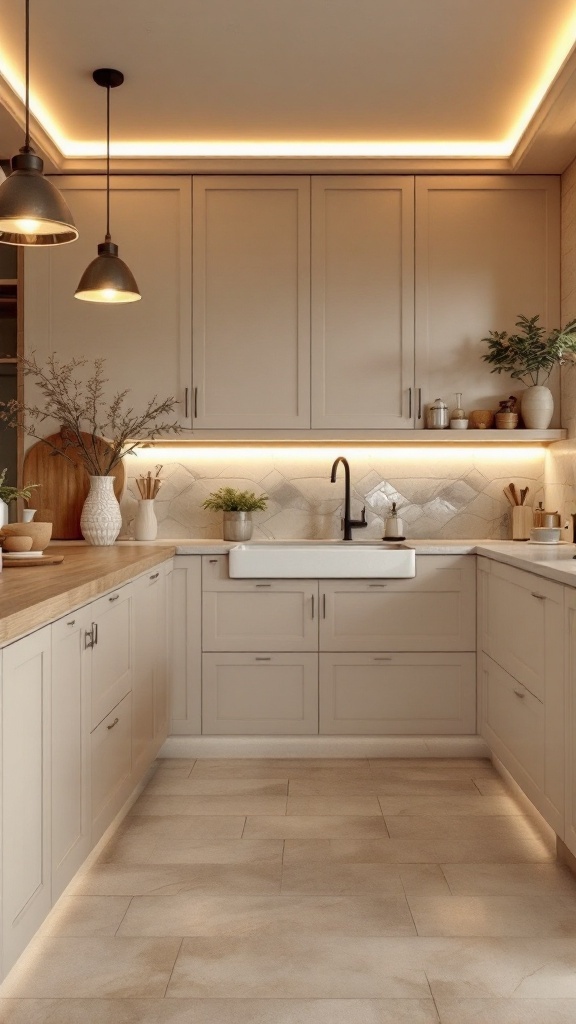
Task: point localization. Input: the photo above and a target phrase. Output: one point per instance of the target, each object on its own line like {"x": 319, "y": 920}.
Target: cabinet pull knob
{"x": 263, "y": 659}
{"x": 409, "y": 403}
{"x": 115, "y": 722}
{"x": 520, "y": 694}
{"x": 539, "y": 597}
{"x": 114, "y": 597}
{"x": 155, "y": 576}
{"x": 71, "y": 622}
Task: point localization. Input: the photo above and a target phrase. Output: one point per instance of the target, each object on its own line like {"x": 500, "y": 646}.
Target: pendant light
{"x": 32, "y": 210}
{"x": 107, "y": 278}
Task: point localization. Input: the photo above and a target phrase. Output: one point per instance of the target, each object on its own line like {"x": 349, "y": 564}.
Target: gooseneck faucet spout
{"x": 348, "y": 523}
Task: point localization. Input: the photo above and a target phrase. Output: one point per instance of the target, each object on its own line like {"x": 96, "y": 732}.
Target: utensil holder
{"x": 522, "y": 522}
{"x": 145, "y": 523}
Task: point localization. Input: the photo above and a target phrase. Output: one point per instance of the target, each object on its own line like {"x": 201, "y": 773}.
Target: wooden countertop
{"x": 31, "y": 597}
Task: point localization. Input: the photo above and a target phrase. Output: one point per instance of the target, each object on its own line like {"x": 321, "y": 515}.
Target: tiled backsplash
{"x": 451, "y": 493}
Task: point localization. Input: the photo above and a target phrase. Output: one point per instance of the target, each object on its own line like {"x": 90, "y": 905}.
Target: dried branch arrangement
{"x": 79, "y": 406}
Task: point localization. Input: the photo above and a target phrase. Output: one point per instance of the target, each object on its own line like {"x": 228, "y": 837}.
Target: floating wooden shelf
{"x": 440, "y": 438}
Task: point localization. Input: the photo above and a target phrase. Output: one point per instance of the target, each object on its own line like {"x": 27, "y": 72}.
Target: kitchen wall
{"x": 451, "y": 492}
{"x": 560, "y": 464}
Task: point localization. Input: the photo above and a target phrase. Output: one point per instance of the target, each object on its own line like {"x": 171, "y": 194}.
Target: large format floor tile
{"x": 332, "y": 891}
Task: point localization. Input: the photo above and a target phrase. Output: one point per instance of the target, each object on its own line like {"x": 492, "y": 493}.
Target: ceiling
{"x": 432, "y": 84}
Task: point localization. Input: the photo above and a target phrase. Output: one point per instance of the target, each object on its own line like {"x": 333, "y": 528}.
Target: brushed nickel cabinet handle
{"x": 419, "y": 403}
{"x": 323, "y": 606}
{"x": 409, "y": 403}
{"x": 114, "y": 597}
{"x": 155, "y": 576}
{"x": 195, "y": 403}
{"x": 382, "y": 659}
{"x": 71, "y": 622}
{"x": 262, "y": 585}
{"x": 213, "y": 561}
{"x": 115, "y": 722}
{"x": 312, "y": 605}
{"x": 263, "y": 659}
{"x": 185, "y": 403}
{"x": 377, "y": 584}
{"x": 520, "y": 694}
{"x": 539, "y": 597}
{"x": 95, "y": 632}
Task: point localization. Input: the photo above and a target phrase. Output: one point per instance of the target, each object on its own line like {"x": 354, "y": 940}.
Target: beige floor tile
{"x": 421, "y": 851}
{"x": 218, "y": 1011}
{"x": 435, "y": 774}
{"x": 304, "y": 968}
{"x": 232, "y": 764}
{"x": 175, "y": 763}
{"x": 314, "y": 827}
{"x": 423, "y": 787}
{"x": 494, "y": 916}
{"x": 282, "y": 768}
{"x": 333, "y": 878}
{"x": 250, "y": 916}
{"x": 358, "y": 805}
{"x": 93, "y": 968}
{"x": 423, "y": 880}
{"x": 173, "y": 784}
{"x": 168, "y": 880}
{"x": 507, "y": 1011}
{"x": 175, "y": 773}
{"x": 179, "y": 849}
{"x": 509, "y": 879}
{"x": 328, "y": 787}
{"x": 459, "y": 827}
{"x": 160, "y": 805}
{"x": 455, "y": 803}
{"x": 87, "y": 915}
{"x": 164, "y": 840}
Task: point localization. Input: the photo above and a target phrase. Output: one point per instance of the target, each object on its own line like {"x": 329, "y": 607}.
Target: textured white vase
{"x": 101, "y": 520}
{"x": 537, "y": 407}
{"x": 145, "y": 523}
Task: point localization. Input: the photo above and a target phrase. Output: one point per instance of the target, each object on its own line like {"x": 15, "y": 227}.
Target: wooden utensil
{"x": 514, "y": 494}
{"x": 63, "y": 487}
{"x": 508, "y": 496}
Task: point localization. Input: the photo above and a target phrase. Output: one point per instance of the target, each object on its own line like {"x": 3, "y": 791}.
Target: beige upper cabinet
{"x": 487, "y": 249}
{"x": 146, "y": 344}
{"x": 362, "y": 302}
{"x": 251, "y": 290}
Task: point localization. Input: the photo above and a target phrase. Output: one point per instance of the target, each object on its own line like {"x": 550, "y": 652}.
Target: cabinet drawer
{"x": 434, "y": 611}
{"x": 111, "y": 744}
{"x": 513, "y": 723}
{"x": 397, "y": 694}
{"x": 522, "y": 626}
{"x": 272, "y": 615}
{"x": 111, "y": 652}
{"x": 256, "y": 694}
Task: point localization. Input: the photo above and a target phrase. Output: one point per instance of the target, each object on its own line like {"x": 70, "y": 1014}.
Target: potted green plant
{"x": 530, "y": 356}
{"x": 237, "y": 507}
{"x": 8, "y": 494}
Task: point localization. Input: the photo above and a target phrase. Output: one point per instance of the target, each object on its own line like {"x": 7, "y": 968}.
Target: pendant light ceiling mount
{"x": 107, "y": 278}
{"x": 32, "y": 210}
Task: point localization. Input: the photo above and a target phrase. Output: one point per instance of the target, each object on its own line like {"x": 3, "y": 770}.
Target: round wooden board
{"x": 63, "y": 486}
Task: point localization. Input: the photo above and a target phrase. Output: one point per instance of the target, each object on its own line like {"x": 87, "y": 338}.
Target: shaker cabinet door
{"x": 362, "y": 302}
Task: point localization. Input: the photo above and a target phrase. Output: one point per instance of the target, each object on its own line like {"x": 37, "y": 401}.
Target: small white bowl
{"x": 545, "y": 534}
{"x": 458, "y": 424}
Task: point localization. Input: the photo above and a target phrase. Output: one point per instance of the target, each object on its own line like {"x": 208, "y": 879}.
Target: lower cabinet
{"x": 111, "y": 756}
{"x": 570, "y": 724}
{"x": 398, "y": 694}
{"x": 185, "y": 645}
{"x": 260, "y": 694}
{"x": 149, "y": 676}
{"x": 26, "y": 819}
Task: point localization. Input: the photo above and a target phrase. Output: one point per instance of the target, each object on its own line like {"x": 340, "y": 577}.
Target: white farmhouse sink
{"x": 326, "y": 559}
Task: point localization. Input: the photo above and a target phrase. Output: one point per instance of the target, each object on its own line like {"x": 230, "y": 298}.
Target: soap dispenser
{"x": 393, "y": 527}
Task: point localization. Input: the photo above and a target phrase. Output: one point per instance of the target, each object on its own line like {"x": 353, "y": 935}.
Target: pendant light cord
{"x": 107, "y": 162}
{"x": 27, "y": 140}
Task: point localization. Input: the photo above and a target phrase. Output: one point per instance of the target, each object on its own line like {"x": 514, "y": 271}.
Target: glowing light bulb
{"x": 27, "y": 226}
{"x": 108, "y": 294}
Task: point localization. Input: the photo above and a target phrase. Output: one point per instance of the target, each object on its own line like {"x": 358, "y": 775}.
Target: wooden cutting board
{"x": 21, "y": 563}
{"x": 63, "y": 486}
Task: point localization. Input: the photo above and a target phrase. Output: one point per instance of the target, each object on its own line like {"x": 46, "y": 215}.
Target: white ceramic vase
{"x": 101, "y": 520}
{"x": 3, "y": 513}
{"x": 537, "y": 407}
{"x": 145, "y": 523}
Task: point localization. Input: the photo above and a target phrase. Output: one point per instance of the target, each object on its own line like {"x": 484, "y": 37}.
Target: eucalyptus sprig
{"x": 227, "y": 499}
{"x": 530, "y": 353}
{"x": 79, "y": 405}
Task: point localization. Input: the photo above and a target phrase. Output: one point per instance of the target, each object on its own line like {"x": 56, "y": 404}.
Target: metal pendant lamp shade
{"x": 32, "y": 210}
{"x": 107, "y": 278}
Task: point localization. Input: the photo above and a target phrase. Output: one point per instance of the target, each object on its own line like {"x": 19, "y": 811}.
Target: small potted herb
{"x": 8, "y": 494}
{"x": 237, "y": 507}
